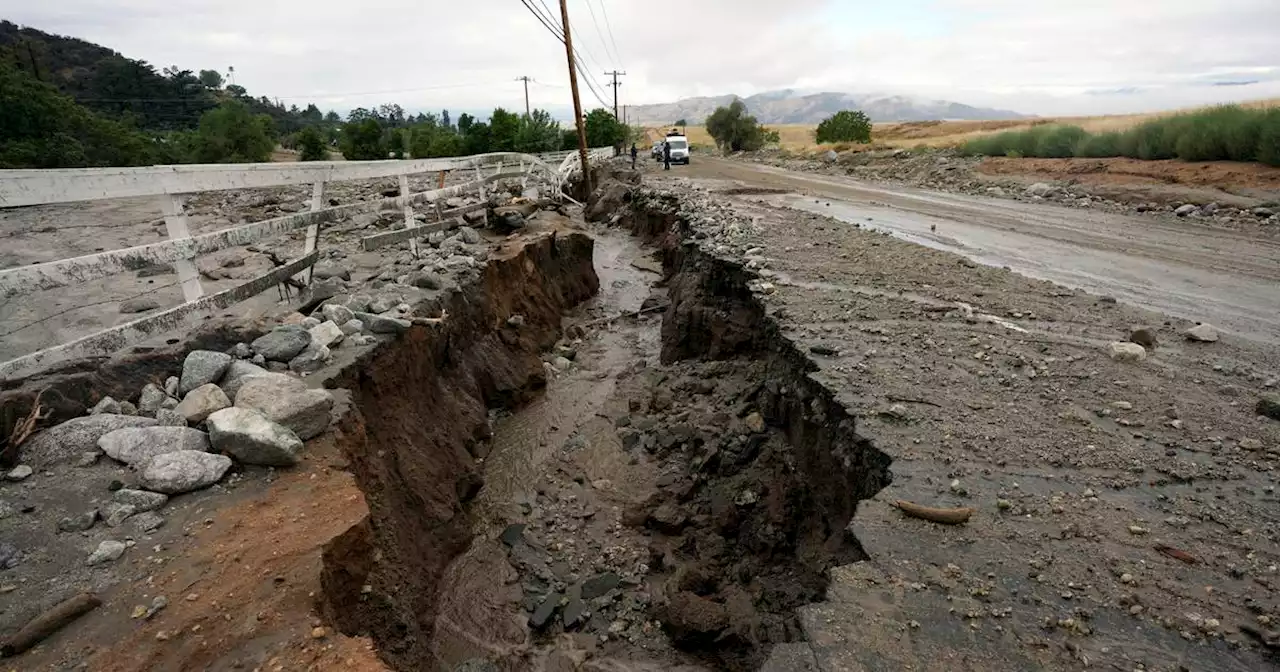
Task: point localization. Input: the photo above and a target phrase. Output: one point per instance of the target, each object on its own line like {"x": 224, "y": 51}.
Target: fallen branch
{"x": 909, "y": 400}
{"x": 23, "y": 429}
{"x": 49, "y": 622}
{"x": 1267, "y": 638}
{"x": 1177, "y": 554}
{"x": 638, "y": 313}
{"x": 430, "y": 321}
{"x": 933, "y": 515}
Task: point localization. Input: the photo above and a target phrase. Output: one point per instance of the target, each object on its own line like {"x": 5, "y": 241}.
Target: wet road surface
{"x": 1187, "y": 269}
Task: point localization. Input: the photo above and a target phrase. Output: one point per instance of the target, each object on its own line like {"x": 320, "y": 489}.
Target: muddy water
{"x": 524, "y": 441}
{"x": 1251, "y": 309}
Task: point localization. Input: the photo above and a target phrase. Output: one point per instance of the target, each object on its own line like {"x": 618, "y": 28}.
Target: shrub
{"x": 229, "y": 133}
{"x": 1269, "y": 138}
{"x": 1100, "y": 146}
{"x": 311, "y": 146}
{"x": 734, "y": 130}
{"x": 1059, "y": 142}
{"x": 845, "y": 126}
{"x": 362, "y": 140}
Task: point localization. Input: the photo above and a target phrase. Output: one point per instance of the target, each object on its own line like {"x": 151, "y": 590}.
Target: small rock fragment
{"x": 107, "y": 551}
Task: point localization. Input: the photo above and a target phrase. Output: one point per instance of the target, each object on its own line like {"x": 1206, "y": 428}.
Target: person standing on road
{"x": 634, "y": 153}
{"x": 666, "y": 155}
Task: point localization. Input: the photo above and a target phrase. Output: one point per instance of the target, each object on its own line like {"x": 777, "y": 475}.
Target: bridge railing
{"x": 169, "y": 185}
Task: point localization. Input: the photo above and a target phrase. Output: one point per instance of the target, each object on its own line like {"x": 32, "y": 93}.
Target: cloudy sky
{"x": 1032, "y": 56}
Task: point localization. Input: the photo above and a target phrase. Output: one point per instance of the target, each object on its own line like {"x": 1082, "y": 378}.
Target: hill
{"x": 788, "y": 106}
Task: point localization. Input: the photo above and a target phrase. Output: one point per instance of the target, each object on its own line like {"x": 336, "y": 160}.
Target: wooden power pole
{"x": 577, "y": 103}
{"x": 615, "y": 75}
{"x": 525, "y": 79}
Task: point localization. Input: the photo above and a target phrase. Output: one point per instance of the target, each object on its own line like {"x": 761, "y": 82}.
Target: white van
{"x": 679, "y": 148}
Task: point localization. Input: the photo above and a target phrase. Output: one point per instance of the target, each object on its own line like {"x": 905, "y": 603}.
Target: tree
{"x": 332, "y": 117}
{"x": 230, "y": 133}
{"x": 681, "y": 123}
{"x": 311, "y": 145}
{"x": 211, "y": 79}
{"x": 503, "y": 128}
{"x": 845, "y": 126}
{"x": 444, "y": 119}
{"x": 736, "y": 131}
{"x": 604, "y": 130}
{"x": 396, "y": 142}
{"x": 464, "y": 122}
{"x": 237, "y": 91}
{"x": 538, "y": 133}
{"x": 362, "y": 140}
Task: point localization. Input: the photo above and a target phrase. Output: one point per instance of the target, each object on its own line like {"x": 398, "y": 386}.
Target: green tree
{"x": 845, "y": 126}
{"x": 311, "y": 145}
{"x": 681, "y": 123}
{"x": 604, "y": 130}
{"x": 538, "y": 133}
{"x": 41, "y": 128}
{"x": 504, "y": 126}
{"x": 736, "y": 131}
{"x": 396, "y": 142}
{"x": 362, "y": 140}
{"x": 230, "y": 133}
{"x": 211, "y": 79}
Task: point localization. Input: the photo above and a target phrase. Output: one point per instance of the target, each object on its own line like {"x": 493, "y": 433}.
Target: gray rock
{"x": 352, "y": 327}
{"x": 19, "y": 473}
{"x": 184, "y": 471}
{"x": 115, "y": 513}
{"x": 1269, "y": 406}
{"x": 469, "y": 235}
{"x": 381, "y": 324}
{"x": 831, "y": 155}
{"x": 106, "y": 405}
{"x": 241, "y": 351}
{"x": 1202, "y": 333}
{"x": 78, "y": 523}
{"x": 1263, "y": 212}
{"x": 288, "y": 401}
{"x": 139, "y": 304}
{"x": 312, "y": 359}
{"x": 326, "y": 334}
{"x": 327, "y": 271}
{"x": 476, "y": 665}
{"x": 561, "y": 364}
{"x": 1186, "y": 210}
{"x": 321, "y": 290}
{"x": 140, "y": 500}
{"x": 1144, "y": 336}
{"x": 127, "y": 408}
{"x": 10, "y": 556}
{"x": 251, "y": 438}
{"x": 309, "y": 323}
{"x": 65, "y": 442}
{"x": 542, "y": 615}
{"x": 202, "y": 401}
{"x": 383, "y": 303}
{"x": 1210, "y": 209}
{"x": 236, "y": 375}
{"x": 1040, "y": 189}
{"x": 171, "y": 386}
{"x": 171, "y": 417}
{"x": 427, "y": 280}
{"x": 202, "y": 367}
{"x": 283, "y": 343}
{"x": 147, "y": 522}
{"x": 108, "y": 551}
{"x": 599, "y": 585}
{"x": 337, "y": 314}
{"x": 151, "y": 398}
{"x": 88, "y": 459}
{"x": 136, "y": 445}
{"x": 6, "y": 509}
{"x": 474, "y": 217}
{"x": 1126, "y": 352}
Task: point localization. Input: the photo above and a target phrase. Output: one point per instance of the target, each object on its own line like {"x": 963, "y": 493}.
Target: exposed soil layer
{"x": 417, "y": 407}
{"x": 1230, "y": 176}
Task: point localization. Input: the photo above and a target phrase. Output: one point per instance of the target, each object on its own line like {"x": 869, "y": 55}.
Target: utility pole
{"x": 525, "y": 79}
{"x": 577, "y": 103}
{"x": 615, "y": 74}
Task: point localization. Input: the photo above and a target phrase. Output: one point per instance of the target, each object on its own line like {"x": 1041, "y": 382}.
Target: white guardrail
{"x": 170, "y": 183}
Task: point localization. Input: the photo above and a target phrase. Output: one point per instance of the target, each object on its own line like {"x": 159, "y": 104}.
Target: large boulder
{"x": 184, "y": 471}
{"x": 607, "y": 199}
{"x": 251, "y": 438}
{"x": 136, "y": 445}
{"x": 236, "y": 375}
{"x": 67, "y": 441}
{"x": 202, "y": 401}
{"x": 140, "y": 500}
{"x": 288, "y": 401}
{"x": 283, "y": 343}
{"x": 201, "y": 368}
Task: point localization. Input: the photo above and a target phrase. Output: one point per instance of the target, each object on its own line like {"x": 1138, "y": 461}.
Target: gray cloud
{"x": 1040, "y": 57}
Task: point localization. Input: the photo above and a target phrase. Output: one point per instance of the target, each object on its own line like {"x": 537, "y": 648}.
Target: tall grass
{"x": 1223, "y": 133}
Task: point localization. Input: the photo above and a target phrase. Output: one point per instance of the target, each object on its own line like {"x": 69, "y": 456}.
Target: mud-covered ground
{"x": 1123, "y": 511}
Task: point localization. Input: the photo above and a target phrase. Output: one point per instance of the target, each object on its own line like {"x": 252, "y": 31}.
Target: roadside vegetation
{"x": 734, "y": 130}
{"x": 1223, "y": 133}
{"x": 845, "y": 126}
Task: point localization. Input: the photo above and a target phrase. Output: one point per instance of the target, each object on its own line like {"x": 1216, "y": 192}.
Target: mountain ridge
{"x": 788, "y": 106}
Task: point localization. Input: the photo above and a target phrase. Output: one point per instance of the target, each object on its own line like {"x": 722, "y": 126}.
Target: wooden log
{"x": 49, "y": 622}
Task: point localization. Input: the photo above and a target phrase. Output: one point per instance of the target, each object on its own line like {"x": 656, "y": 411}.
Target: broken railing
{"x": 170, "y": 184}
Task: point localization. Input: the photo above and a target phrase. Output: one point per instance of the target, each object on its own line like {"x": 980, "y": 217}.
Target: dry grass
{"x": 800, "y": 137}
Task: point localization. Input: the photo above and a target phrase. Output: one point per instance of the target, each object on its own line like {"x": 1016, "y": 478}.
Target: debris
{"x": 1177, "y": 554}
{"x": 935, "y": 515}
{"x": 40, "y": 627}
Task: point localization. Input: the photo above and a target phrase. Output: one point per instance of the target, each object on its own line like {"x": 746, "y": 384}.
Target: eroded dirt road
{"x": 1190, "y": 270}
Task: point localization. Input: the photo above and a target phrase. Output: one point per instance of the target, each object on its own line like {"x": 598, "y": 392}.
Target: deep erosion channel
{"x": 599, "y": 461}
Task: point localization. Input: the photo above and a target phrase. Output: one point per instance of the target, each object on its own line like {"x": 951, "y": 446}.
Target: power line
{"x": 605, "y": 12}
{"x": 553, "y": 26}
{"x": 317, "y": 96}
{"x": 599, "y": 33}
